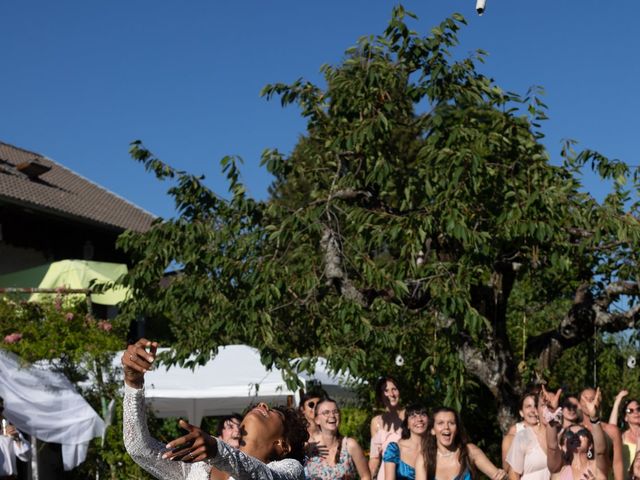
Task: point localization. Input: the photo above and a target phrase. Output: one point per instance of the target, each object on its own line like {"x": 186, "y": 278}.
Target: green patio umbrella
{"x": 69, "y": 274}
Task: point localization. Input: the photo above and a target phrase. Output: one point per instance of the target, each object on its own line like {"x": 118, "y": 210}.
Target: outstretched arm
{"x": 485, "y": 465}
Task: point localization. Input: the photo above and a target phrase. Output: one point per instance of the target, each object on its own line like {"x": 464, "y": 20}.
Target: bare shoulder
{"x": 473, "y": 450}
{"x": 512, "y": 431}
{"x": 353, "y": 445}
{"x": 375, "y": 423}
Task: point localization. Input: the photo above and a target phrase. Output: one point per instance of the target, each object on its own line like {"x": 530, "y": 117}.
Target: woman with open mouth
{"x": 338, "y": 458}
{"x": 447, "y": 453}
{"x": 271, "y": 442}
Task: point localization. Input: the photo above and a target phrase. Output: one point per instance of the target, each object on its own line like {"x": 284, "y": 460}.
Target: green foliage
{"x": 418, "y": 216}
{"x": 81, "y": 347}
{"x": 354, "y": 423}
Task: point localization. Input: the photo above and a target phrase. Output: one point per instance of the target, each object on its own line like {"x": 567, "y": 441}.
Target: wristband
{"x": 594, "y": 420}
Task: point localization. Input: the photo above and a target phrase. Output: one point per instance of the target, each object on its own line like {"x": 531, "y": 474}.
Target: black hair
{"x": 381, "y": 384}
{"x": 312, "y": 393}
{"x": 460, "y": 442}
{"x": 295, "y": 432}
{"x": 224, "y": 420}
{"x": 623, "y": 422}
{"x": 411, "y": 410}
{"x": 566, "y": 440}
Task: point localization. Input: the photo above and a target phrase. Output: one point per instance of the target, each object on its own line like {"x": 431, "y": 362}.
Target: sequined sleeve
{"x": 147, "y": 451}
{"x": 245, "y": 467}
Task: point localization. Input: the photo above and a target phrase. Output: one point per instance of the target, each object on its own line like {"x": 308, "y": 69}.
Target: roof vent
{"x": 33, "y": 169}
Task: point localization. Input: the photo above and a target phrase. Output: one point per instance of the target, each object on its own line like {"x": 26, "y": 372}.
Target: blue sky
{"x": 81, "y": 79}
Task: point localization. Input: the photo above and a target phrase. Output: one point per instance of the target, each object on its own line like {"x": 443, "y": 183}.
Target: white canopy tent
{"x": 45, "y": 404}
{"x": 229, "y": 383}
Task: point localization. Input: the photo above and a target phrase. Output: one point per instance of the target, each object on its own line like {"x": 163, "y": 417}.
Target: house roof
{"x": 61, "y": 191}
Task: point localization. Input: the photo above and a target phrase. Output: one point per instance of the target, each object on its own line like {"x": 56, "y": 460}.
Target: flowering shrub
{"x": 58, "y": 329}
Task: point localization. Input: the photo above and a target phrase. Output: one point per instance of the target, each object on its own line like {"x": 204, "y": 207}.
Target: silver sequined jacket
{"x": 147, "y": 452}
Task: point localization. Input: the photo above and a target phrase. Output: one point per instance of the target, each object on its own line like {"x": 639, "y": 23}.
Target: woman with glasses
{"x": 386, "y": 427}
{"x": 341, "y": 458}
{"x": 579, "y": 454}
{"x": 308, "y": 402}
{"x": 630, "y": 427}
{"x": 400, "y": 457}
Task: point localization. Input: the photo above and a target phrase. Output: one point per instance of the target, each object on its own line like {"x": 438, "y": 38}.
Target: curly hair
{"x": 295, "y": 432}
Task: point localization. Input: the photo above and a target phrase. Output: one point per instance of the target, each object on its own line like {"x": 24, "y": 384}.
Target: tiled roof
{"x": 64, "y": 192}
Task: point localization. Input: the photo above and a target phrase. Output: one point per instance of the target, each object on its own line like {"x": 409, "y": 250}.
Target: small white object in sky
{"x": 480, "y": 6}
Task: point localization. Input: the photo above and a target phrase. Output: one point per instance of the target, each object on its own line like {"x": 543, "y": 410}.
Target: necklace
{"x": 448, "y": 454}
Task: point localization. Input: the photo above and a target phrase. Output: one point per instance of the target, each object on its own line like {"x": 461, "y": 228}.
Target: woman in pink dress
{"x": 386, "y": 427}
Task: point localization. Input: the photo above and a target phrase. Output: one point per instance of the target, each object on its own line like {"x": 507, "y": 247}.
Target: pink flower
{"x": 105, "y": 325}
{"x": 13, "y": 338}
{"x": 69, "y": 316}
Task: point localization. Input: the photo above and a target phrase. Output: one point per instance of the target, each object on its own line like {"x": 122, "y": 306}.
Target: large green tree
{"x": 410, "y": 231}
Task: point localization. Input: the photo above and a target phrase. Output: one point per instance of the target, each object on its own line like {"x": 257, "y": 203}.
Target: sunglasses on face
{"x": 633, "y": 410}
{"x": 570, "y": 406}
{"x": 311, "y": 404}
{"x": 583, "y": 432}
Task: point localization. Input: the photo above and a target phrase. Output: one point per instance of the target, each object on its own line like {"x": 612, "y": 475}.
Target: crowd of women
{"x": 559, "y": 437}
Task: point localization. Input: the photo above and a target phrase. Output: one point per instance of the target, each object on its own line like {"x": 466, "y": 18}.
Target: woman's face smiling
{"x": 445, "y": 429}
{"x": 529, "y": 412}
{"x": 328, "y": 417}
{"x": 391, "y": 395}
{"x": 417, "y": 423}
{"x": 632, "y": 413}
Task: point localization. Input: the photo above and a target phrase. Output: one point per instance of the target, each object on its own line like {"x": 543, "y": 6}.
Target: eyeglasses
{"x": 633, "y": 410}
{"x": 326, "y": 413}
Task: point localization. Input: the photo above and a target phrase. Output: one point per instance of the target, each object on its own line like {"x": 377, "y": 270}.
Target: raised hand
{"x": 552, "y": 400}
{"x": 195, "y": 446}
{"x": 591, "y": 406}
{"x": 137, "y": 360}
{"x": 621, "y": 394}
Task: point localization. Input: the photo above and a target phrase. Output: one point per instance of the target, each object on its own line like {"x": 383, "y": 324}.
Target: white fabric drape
{"x": 45, "y": 404}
